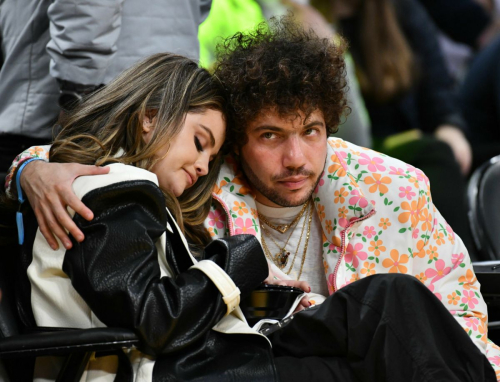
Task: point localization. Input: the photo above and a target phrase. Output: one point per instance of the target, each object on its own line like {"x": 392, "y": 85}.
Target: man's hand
{"x": 458, "y": 143}
{"x": 48, "y": 187}
{"x": 272, "y": 279}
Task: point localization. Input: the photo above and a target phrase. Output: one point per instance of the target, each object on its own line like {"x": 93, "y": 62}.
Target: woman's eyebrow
{"x": 209, "y": 132}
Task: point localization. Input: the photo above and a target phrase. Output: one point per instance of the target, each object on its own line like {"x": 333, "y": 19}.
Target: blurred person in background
{"x": 409, "y": 95}
{"x": 56, "y": 51}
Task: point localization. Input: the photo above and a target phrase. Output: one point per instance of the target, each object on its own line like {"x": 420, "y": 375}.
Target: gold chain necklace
{"x": 281, "y": 258}
{"x": 306, "y": 243}
{"x": 285, "y": 227}
{"x": 277, "y": 260}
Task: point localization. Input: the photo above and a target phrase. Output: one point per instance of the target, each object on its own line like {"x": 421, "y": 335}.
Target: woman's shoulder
{"x": 118, "y": 173}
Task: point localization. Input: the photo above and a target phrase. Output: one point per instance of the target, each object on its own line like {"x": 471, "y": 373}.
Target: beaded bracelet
{"x": 20, "y": 198}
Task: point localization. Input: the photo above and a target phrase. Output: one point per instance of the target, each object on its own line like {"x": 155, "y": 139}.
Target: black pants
{"x": 382, "y": 328}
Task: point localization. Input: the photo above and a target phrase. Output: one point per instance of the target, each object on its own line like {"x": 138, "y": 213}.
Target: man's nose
{"x": 294, "y": 154}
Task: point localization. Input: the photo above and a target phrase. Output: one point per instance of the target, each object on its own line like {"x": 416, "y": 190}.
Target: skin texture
{"x": 284, "y": 157}
{"x": 48, "y": 186}
{"x": 183, "y": 160}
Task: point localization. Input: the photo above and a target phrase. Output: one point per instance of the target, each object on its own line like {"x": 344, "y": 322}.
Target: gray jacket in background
{"x": 83, "y": 41}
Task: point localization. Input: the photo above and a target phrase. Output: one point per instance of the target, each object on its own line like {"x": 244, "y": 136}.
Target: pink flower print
{"x": 343, "y": 222}
{"x": 470, "y": 298}
{"x": 396, "y": 171}
{"x": 438, "y": 295}
{"x": 355, "y": 253}
{"x": 439, "y": 272}
{"x": 244, "y": 227}
{"x": 320, "y": 183}
{"x": 409, "y": 167}
{"x": 374, "y": 164}
{"x": 457, "y": 259}
{"x": 216, "y": 219}
{"x": 358, "y": 199}
{"x": 415, "y": 233}
{"x": 420, "y": 175}
{"x": 406, "y": 192}
{"x": 471, "y": 322}
{"x": 495, "y": 360}
{"x": 369, "y": 232}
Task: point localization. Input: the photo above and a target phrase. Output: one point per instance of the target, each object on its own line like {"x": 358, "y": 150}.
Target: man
{"x": 329, "y": 213}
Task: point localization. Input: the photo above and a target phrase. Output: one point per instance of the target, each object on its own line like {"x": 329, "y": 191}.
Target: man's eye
{"x": 198, "y": 145}
{"x": 310, "y": 131}
{"x": 268, "y": 135}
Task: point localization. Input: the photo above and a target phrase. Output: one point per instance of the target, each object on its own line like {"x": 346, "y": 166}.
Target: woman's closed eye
{"x": 198, "y": 145}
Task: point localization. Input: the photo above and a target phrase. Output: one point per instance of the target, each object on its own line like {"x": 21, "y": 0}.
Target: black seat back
{"x": 484, "y": 209}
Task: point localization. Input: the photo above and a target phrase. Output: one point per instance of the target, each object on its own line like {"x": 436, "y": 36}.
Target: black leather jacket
{"x": 116, "y": 271}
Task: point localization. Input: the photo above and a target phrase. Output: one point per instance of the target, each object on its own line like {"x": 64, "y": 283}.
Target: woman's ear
{"x": 148, "y": 124}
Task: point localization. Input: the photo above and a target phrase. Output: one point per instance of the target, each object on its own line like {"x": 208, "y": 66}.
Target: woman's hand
{"x": 48, "y": 187}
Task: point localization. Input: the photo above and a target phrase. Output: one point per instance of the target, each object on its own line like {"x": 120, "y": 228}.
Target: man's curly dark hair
{"x": 282, "y": 67}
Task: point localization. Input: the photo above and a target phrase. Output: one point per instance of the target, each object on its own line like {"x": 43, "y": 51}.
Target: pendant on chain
{"x": 282, "y": 258}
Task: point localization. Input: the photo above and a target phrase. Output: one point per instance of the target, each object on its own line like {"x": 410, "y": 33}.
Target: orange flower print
{"x": 254, "y": 213}
{"x": 439, "y": 237}
{"x": 368, "y": 269}
{"x": 340, "y": 195}
{"x": 384, "y": 223}
{"x": 342, "y": 212}
{"x": 453, "y": 299}
{"x": 38, "y": 152}
{"x": 378, "y": 183}
{"x": 376, "y": 247}
{"x": 325, "y": 266}
{"x": 354, "y": 277}
{"x": 420, "y": 252}
{"x": 432, "y": 252}
{"x": 244, "y": 189}
{"x": 426, "y": 218}
{"x": 240, "y": 208}
{"x": 414, "y": 181}
{"x": 337, "y": 143}
{"x": 422, "y": 277}
{"x": 211, "y": 231}
{"x": 483, "y": 330}
{"x": 468, "y": 280}
{"x": 329, "y": 227}
{"x": 321, "y": 211}
{"x": 412, "y": 211}
{"x": 394, "y": 263}
{"x": 218, "y": 188}
{"x": 336, "y": 168}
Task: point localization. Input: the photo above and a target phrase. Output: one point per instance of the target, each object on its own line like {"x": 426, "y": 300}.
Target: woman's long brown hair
{"x": 387, "y": 65}
{"x": 111, "y": 119}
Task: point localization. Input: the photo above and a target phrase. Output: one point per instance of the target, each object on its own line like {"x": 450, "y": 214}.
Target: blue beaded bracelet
{"x": 20, "y": 198}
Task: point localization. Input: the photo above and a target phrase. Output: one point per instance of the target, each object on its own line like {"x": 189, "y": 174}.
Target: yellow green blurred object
{"x": 226, "y": 18}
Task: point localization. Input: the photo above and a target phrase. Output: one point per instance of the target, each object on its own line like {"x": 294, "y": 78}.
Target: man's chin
{"x": 290, "y": 198}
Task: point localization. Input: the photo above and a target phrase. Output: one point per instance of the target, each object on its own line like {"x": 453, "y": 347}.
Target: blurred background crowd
{"x": 424, "y": 75}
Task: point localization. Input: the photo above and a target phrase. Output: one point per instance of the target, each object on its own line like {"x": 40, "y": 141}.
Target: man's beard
{"x": 272, "y": 194}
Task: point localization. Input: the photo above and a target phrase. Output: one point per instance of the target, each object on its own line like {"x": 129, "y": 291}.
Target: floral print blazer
{"x": 377, "y": 216}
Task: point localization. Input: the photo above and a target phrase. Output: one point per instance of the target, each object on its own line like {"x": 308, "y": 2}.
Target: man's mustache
{"x": 289, "y": 173}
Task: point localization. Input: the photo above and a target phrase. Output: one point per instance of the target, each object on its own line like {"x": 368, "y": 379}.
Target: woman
{"x": 159, "y": 128}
